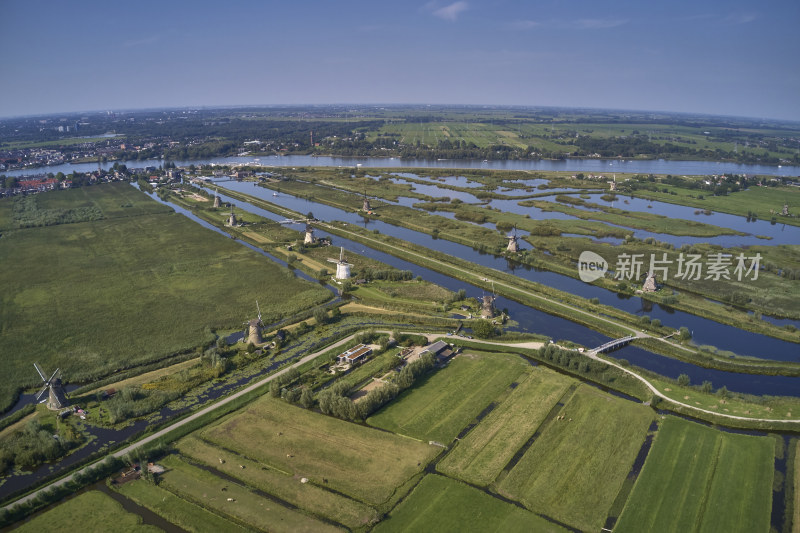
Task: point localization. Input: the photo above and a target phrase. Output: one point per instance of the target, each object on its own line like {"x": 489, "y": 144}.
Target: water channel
{"x": 705, "y": 331}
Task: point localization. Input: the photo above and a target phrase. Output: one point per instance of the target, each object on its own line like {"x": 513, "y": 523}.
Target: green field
{"x": 90, "y": 508}
{"x": 361, "y": 462}
{"x": 440, "y": 504}
{"x": 443, "y": 403}
{"x": 139, "y": 285}
{"x": 481, "y": 455}
{"x": 701, "y": 479}
{"x": 575, "y": 468}
{"x": 310, "y": 497}
{"x": 234, "y": 501}
{"x": 176, "y": 510}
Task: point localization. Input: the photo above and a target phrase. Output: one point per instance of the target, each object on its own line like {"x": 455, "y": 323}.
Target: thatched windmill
{"x": 487, "y": 305}
{"x": 216, "y": 197}
{"x": 309, "y": 239}
{"x": 366, "y": 207}
{"x": 254, "y": 328}
{"x": 232, "y": 218}
{"x": 57, "y": 398}
{"x": 342, "y": 266}
{"x": 513, "y": 244}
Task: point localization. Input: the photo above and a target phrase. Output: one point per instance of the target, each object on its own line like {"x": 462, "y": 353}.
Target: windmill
{"x": 309, "y": 239}
{"x": 232, "y": 218}
{"x": 216, "y": 197}
{"x": 342, "y": 266}
{"x": 366, "y": 207}
{"x": 613, "y": 184}
{"x": 57, "y": 398}
{"x": 513, "y": 245}
{"x": 487, "y": 305}
{"x": 254, "y": 328}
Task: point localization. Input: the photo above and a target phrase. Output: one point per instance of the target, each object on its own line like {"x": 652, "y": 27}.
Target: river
{"x": 639, "y": 166}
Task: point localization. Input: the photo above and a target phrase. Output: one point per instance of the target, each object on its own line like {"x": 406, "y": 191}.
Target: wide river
{"x": 609, "y": 166}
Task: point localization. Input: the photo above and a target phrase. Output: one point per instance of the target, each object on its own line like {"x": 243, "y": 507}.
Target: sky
{"x": 725, "y": 57}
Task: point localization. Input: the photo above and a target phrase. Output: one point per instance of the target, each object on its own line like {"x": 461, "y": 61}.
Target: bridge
{"x": 613, "y": 344}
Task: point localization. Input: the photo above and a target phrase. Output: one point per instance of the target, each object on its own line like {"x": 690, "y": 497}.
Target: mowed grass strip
{"x": 697, "y": 478}
{"x": 308, "y": 496}
{"x": 481, "y": 455}
{"x": 574, "y": 470}
{"x": 176, "y": 510}
{"x": 93, "y": 507}
{"x": 442, "y": 403}
{"x": 237, "y": 502}
{"x": 441, "y": 504}
{"x": 361, "y": 462}
{"x": 93, "y": 297}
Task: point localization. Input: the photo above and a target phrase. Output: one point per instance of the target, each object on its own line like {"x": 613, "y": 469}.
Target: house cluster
{"x": 29, "y": 157}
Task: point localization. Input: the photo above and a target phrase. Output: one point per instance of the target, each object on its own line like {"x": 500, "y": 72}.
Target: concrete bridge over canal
{"x": 612, "y": 345}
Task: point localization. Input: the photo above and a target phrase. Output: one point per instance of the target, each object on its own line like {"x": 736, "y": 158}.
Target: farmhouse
{"x": 438, "y": 349}
{"x": 356, "y": 354}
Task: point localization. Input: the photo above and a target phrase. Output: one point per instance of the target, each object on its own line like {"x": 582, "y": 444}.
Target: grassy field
{"x": 440, "y": 504}
{"x": 93, "y": 507}
{"x": 139, "y": 285}
{"x": 481, "y": 455}
{"x": 234, "y": 502}
{"x": 363, "y": 463}
{"x": 574, "y": 470}
{"x": 176, "y": 510}
{"x": 310, "y": 497}
{"x": 441, "y": 404}
{"x": 759, "y": 200}
{"x": 700, "y": 479}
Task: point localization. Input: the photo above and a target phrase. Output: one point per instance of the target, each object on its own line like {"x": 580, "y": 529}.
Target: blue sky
{"x": 716, "y": 57}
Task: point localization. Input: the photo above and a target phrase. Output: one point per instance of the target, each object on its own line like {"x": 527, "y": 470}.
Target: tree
{"x": 320, "y": 316}
{"x": 683, "y": 380}
{"x": 307, "y": 398}
{"x": 685, "y": 334}
{"x": 706, "y": 386}
{"x": 483, "y": 329}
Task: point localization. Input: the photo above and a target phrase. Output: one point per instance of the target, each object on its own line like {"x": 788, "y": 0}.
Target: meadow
{"x": 701, "y": 479}
{"x": 311, "y": 497}
{"x": 441, "y": 404}
{"x": 480, "y": 456}
{"x": 183, "y": 513}
{"x": 234, "y": 501}
{"x": 444, "y": 505}
{"x": 139, "y": 285}
{"x": 575, "y": 468}
{"x": 93, "y": 507}
{"x": 363, "y": 463}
